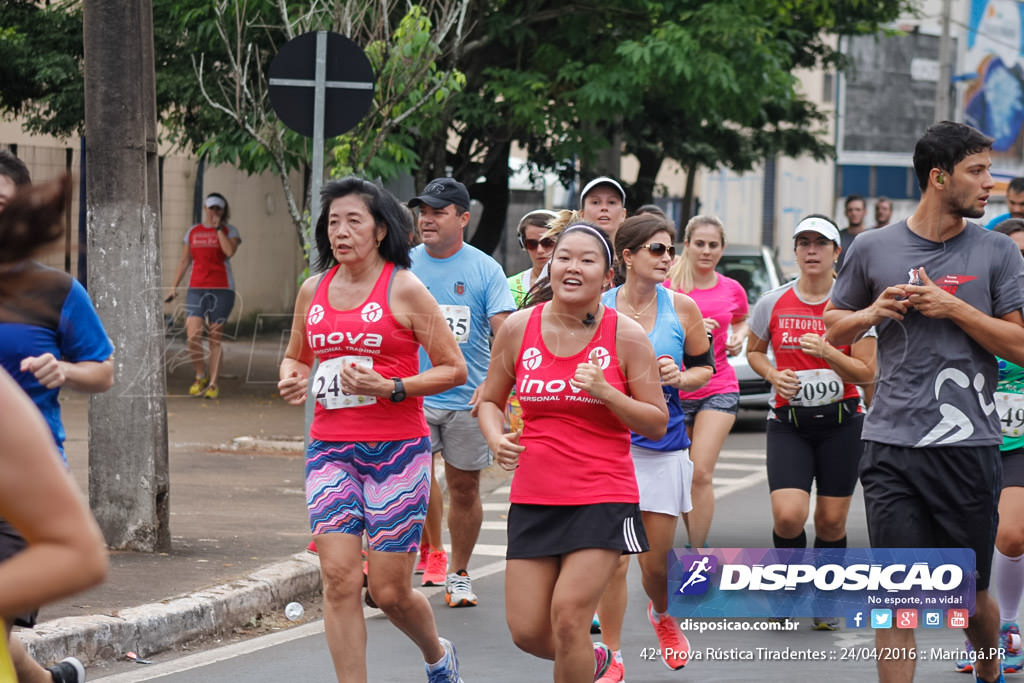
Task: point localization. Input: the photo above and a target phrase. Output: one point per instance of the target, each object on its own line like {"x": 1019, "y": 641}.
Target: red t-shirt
{"x": 781, "y": 318}
{"x": 211, "y": 268}
{"x": 370, "y": 332}
{"x": 577, "y": 450}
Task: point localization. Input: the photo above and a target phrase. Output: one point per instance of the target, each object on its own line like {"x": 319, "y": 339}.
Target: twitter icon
{"x": 881, "y": 618}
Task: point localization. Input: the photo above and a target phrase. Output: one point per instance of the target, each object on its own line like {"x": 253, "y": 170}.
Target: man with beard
{"x": 945, "y": 297}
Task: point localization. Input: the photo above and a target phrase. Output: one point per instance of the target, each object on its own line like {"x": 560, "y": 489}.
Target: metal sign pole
{"x": 317, "y": 176}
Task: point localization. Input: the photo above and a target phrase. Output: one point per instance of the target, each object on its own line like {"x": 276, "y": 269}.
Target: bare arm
{"x": 696, "y": 344}
{"x": 91, "y": 377}
{"x": 1003, "y": 337}
{"x": 179, "y": 270}
{"x": 845, "y": 326}
{"x": 66, "y": 552}
{"x": 494, "y": 393}
{"x": 474, "y": 401}
{"x": 857, "y": 368}
{"x": 295, "y": 367}
{"x": 785, "y": 381}
{"x": 228, "y": 245}
{"x": 644, "y": 410}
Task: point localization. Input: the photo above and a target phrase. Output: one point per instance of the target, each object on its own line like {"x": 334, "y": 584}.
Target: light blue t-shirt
{"x": 668, "y": 339}
{"x": 471, "y": 288}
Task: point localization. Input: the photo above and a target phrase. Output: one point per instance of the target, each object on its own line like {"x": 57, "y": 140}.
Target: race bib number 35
{"x": 327, "y": 384}
{"x": 1011, "y": 413}
{"x": 458, "y": 319}
{"x": 817, "y": 388}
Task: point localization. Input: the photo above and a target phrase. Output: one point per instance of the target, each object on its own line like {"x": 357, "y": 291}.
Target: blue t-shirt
{"x": 667, "y": 338}
{"x": 46, "y": 311}
{"x": 471, "y": 288}
{"x": 997, "y": 220}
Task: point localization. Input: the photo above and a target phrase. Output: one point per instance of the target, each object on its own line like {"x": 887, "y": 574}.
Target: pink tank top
{"x": 366, "y": 334}
{"x": 577, "y": 450}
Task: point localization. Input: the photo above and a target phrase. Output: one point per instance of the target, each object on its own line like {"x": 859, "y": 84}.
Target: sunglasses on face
{"x": 532, "y": 244}
{"x": 658, "y": 249}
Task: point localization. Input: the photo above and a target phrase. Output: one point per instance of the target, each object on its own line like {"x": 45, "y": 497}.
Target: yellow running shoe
{"x": 197, "y": 387}
{"x": 212, "y": 391}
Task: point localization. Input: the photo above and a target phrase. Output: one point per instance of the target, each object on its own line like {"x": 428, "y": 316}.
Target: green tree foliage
{"x": 40, "y": 65}
{"x": 707, "y": 83}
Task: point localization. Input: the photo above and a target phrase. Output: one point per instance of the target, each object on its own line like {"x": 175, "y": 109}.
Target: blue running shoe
{"x": 1010, "y": 641}
{"x": 595, "y": 624}
{"x": 449, "y": 673}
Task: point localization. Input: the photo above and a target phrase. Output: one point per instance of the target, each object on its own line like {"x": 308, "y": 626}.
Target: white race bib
{"x": 1011, "y": 413}
{"x": 817, "y": 388}
{"x": 458, "y": 319}
{"x": 327, "y": 384}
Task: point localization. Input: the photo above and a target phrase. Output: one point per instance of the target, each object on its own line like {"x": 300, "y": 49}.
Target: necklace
{"x": 636, "y": 313}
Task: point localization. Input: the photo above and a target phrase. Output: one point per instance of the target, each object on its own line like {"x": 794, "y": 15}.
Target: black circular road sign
{"x": 347, "y": 84}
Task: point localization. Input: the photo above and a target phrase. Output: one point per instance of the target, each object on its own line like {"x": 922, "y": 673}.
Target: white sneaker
{"x": 458, "y": 590}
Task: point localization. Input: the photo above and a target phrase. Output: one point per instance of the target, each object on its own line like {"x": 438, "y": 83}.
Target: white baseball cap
{"x": 821, "y": 226}
{"x": 602, "y": 180}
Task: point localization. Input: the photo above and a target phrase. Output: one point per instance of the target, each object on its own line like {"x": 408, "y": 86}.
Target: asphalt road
{"x": 487, "y": 653}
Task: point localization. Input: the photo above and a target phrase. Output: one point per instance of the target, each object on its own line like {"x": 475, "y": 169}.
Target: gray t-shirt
{"x": 935, "y": 383}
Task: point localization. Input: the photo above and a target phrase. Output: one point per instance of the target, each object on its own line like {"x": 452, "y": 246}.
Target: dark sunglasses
{"x": 658, "y": 249}
{"x": 532, "y": 244}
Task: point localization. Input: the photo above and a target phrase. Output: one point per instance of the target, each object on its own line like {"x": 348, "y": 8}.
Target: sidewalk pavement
{"x": 238, "y": 520}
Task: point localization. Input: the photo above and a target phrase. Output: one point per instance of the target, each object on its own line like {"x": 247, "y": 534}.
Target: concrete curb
{"x": 155, "y": 627}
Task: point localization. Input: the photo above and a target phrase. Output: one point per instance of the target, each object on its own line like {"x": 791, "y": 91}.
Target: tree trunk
{"x": 650, "y": 163}
{"x": 691, "y": 178}
{"x": 128, "y": 477}
{"x": 494, "y": 194}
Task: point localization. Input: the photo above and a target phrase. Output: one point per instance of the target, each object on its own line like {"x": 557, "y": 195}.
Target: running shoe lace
{"x": 460, "y": 584}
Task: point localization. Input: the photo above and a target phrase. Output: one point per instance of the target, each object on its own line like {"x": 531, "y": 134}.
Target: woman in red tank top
{"x": 585, "y": 377}
{"x": 367, "y": 465}
{"x": 208, "y": 249}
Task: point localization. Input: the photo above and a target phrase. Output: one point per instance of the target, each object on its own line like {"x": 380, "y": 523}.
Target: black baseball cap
{"x": 440, "y": 192}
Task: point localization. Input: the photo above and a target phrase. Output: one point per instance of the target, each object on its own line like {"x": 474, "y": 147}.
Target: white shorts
{"x": 457, "y": 435}
{"x": 664, "y": 479}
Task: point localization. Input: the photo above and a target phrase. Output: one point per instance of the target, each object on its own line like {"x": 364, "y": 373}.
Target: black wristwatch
{"x": 399, "y": 393}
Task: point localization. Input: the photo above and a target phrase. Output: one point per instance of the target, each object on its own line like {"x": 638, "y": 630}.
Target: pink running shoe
{"x": 437, "y": 568}
{"x": 616, "y": 673}
{"x": 421, "y": 564}
{"x": 675, "y": 648}
{"x": 602, "y": 660}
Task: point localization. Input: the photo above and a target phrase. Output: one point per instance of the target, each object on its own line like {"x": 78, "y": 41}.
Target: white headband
{"x": 597, "y": 233}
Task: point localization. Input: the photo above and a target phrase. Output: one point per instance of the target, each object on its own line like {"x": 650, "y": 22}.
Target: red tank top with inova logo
{"x": 577, "y": 450}
{"x": 367, "y": 334}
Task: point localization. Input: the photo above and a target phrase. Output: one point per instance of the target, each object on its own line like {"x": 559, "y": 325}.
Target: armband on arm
{"x": 706, "y": 359}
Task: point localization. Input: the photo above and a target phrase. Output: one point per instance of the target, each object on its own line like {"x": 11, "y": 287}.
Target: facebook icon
{"x": 855, "y": 620}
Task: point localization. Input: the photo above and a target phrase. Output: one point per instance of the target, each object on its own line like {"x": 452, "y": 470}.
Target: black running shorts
{"x": 944, "y": 497}
{"x": 828, "y": 453}
{"x": 11, "y": 543}
{"x": 556, "y": 530}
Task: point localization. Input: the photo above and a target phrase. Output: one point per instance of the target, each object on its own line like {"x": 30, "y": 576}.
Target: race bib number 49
{"x": 817, "y": 388}
{"x": 1011, "y": 413}
{"x": 327, "y": 384}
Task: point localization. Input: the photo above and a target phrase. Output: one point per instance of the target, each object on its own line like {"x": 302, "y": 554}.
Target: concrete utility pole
{"x": 944, "y": 84}
{"x": 128, "y": 473}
